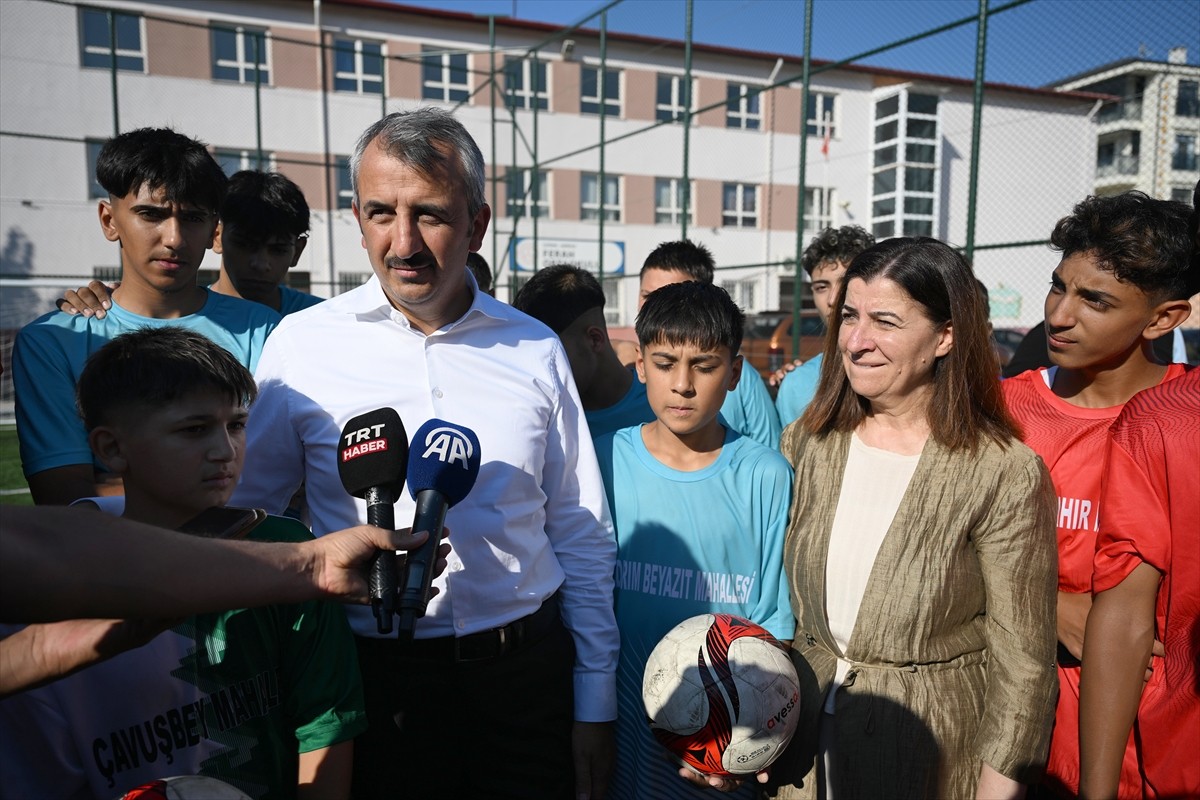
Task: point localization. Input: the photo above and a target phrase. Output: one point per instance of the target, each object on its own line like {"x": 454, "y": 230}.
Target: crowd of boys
{"x": 624, "y": 487}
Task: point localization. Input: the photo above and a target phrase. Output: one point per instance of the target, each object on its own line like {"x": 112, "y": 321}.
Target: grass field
{"x": 13, "y": 489}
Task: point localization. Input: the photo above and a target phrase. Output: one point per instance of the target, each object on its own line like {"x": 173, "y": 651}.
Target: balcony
{"x": 1121, "y": 110}
{"x": 1120, "y": 165}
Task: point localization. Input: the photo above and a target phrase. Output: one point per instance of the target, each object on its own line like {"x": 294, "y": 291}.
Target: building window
{"x": 589, "y": 91}
{"x": 1185, "y": 152}
{"x": 670, "y": 101}
{"x": 357, "y": 66}
{"x": 351, "y": 280}
{"x": 668, "y": 202}
{"x": 1187, "y": 101}
{"x": 742, "y": 106}
{"x": 818, "y": 209}
{"x": 820, "y": 115}
{"x": 444, "y": 76}
{"x": 521, "y": 200}
{"x": 95, "y": 190}
{"x": 240, "y": 55}
{"x": 1181, "y": 194}
{"x": 525, "y": 83}
{"x": 590, "y": 201}
{"x": 232, "y": 161}
{"x": 345, "y": 189}
{"x": 743, "y": 292}
{"x": 739, "y": 205}
{"x": 96, "y": 40}
{"x": 905, "y": 165}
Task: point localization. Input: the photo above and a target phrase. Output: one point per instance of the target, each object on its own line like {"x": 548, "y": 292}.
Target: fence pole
{"x": 976, "y": 126}
{"x": 601, "y": 80}
{"x": 687, "y": 117}
{"x": 258, "y": 139}
{"x": 802, "y": 192}
{"x": 533, "y": 172}
{"x": 494, "y": 162}
{"x": 112, "y": 47}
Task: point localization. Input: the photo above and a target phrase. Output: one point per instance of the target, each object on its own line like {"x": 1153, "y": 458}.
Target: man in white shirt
{"x": 509, "y": 687}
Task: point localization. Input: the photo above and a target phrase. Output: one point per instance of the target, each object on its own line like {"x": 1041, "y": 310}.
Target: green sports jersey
{"x": 235, "y": 695}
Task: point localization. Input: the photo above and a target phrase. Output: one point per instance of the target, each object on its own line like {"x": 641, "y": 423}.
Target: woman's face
{"x": 888, "y": 345}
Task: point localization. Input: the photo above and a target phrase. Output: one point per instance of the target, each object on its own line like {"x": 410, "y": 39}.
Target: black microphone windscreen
{"x": 373, "y": 452}
{"x": 444, "y": 457}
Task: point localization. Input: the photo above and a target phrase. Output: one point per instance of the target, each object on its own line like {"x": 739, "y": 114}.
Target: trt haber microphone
{"x": 372, "y": 461}
{"x": 443, "y": 463}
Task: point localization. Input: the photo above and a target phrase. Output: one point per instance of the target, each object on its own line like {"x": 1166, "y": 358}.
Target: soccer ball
{"x": 186, "y": 787}
{"x": 721, "y": 694}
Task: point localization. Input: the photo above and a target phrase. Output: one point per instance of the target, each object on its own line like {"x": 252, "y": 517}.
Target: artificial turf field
{"x": 13, "y": 489}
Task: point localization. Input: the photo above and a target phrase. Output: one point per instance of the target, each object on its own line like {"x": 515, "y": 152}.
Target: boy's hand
{"x": 340, "y": 560}
{"x": 90, "y": 300}
{"x": 717, "y": 782}
{"x": 778, "y": 375}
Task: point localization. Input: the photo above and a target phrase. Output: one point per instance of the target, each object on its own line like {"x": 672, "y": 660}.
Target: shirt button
{"x": 460, "y": 625}
{"x": 437, "y": 393}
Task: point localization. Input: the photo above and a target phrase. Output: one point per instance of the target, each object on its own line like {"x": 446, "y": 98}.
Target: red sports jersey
{"x": 1072, "y": 442}
{"x": 1151, "y": 501}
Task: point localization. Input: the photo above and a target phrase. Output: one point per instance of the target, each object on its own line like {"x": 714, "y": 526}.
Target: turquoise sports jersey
{"x": 797, "y": 390}
{"x": 750, "y": 410}
{"x": 235, "y": 695}
{"x": 688, "y": 543}
{"x": 50, "y": 352}
{"x": 632, "y": 409}
{"x": 291, "y": 300}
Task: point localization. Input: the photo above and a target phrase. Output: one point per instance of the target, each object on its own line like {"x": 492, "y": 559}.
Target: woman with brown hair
{"x": 921, "y": 550}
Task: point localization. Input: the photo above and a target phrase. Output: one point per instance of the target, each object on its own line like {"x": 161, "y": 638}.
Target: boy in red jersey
{"x": 1123, "y": 282}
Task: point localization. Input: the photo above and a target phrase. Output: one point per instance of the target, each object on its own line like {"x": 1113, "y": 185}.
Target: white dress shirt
{"x": 536, "y": 520}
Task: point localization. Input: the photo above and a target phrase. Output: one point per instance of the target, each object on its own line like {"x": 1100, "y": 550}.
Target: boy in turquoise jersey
{"x": 700, "y": 512}
{"x": 267, "y": 699}
{"x": 164, "y": 192}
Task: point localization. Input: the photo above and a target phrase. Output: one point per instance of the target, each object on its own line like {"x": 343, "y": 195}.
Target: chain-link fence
{"x": 602, "y": 143}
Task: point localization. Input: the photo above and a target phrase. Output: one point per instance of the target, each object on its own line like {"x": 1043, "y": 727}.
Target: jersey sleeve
{"x": 749, "y": 410}
{"x": 774, "y": 497}
{"x": 49, "y": 431}
{"x": 1135, "y": 524}
{"x": 796, "y": 391}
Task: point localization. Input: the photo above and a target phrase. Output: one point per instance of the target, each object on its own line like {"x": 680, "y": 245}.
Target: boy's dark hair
{"x": 558, "y": 295}
{"x": 161, "y": 159}
{"x": 264, "y": 204}
{"x": 1142, "y": 241}
{"x": 692, "y": 312}
{"x": 480, "y": 269}
{"x": 836, "y": 244}
{"x": 683, "y": 255}
{"x": 154, "y": 366}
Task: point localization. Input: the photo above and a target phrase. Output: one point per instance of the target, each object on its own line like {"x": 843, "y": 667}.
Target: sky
{"x": 1034, "y": 44}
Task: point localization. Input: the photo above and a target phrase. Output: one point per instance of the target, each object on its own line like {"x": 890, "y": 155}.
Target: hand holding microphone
{"x": 443, "y": 464}
{"x": 372, "y": 460}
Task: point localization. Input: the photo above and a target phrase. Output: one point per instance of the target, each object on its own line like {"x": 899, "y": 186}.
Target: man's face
{"x": 656, "y": 279}
{"x": 1093, "y": 320}
{"x": 178, "y": 459}
{"x": 417, "y": 233}
{"x": 162, "y": 243}
{"x": 686, "y": 384}
{"x": 826, "y": 283}
{"x": 257, "y": 267}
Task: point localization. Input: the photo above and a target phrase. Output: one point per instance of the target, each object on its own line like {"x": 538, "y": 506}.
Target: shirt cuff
{"x": 595, "y": 697}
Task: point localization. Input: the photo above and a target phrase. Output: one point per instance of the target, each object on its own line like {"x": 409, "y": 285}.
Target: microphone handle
{"x": 419, "y": 565}
{"x": 381, "y": 513}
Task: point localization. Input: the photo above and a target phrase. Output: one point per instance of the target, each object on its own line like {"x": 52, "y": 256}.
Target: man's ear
{"x": 216, "y": 242}
{"x": 301, "y": 243}
{"x": 107, "y": 223}
{"x": 479, "y": 226}
{"x": 1166, "y": 317}
{"x": 597, "y": 338}
{"x": 106, "y": 444}
{"x": 735, "y": 375}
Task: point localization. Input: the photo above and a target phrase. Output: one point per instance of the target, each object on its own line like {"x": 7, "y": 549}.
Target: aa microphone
{"x": 372, "y": 460}
{"x": 443, "y": 464}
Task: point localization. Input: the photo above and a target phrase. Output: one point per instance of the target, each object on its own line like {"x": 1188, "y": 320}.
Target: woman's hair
{"x": 966, "y": 404}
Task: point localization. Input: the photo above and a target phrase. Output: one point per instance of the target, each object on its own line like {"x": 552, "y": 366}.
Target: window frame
{"x": 343, "y": 195}
{"x": 673, "y": 214}
{"x": 738, "y": 114}
{"x": 105, "y": 50}
{"x": 824, "y": 106}
{"x": 519, "y": 201}
{"x": 612, "y": 104}
{"x": 591, "y": 209}
{"x": 898, "y": 220}
{"x": 739, "y": 216}
{"x": 821, "y": 199}
{"x": 1181, "y": 159}
{"x": 241, "y": 63}
{"x": 445, "y": 90}
{"x": 359, "y": 77}
{"x": 674, "y": 109}
{"x": 524, "y": 96}
{"x": 1187, "y": 106}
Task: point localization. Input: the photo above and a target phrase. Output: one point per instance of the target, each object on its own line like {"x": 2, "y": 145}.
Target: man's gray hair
{"x": 411, "y": 136}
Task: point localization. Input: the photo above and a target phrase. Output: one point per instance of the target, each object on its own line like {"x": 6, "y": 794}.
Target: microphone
{"x": 442, "y": 467}
{"x": 372, "y": 461}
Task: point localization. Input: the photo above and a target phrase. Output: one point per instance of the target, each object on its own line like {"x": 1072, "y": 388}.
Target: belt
{"x": 485, "y": 645}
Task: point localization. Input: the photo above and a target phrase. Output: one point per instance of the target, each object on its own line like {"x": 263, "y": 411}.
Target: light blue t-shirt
{"x": 50, "y": 352}
{"x": 749, "y": 409}
{"x": 797, "y": 390}
{"x": 292, "y": 300}
{"x": 688, "y": 543}
{"x": 632, "y": 409}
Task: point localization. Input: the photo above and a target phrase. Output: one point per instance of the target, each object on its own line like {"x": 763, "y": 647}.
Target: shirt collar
{"x": 369, "y": 303}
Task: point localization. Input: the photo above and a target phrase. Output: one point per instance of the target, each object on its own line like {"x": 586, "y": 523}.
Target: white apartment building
{"x": 1148, "y": 138}
{"x": 886, "y": 149}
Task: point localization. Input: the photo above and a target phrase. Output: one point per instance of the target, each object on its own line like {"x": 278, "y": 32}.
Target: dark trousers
{"x": 490, "y": 729}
